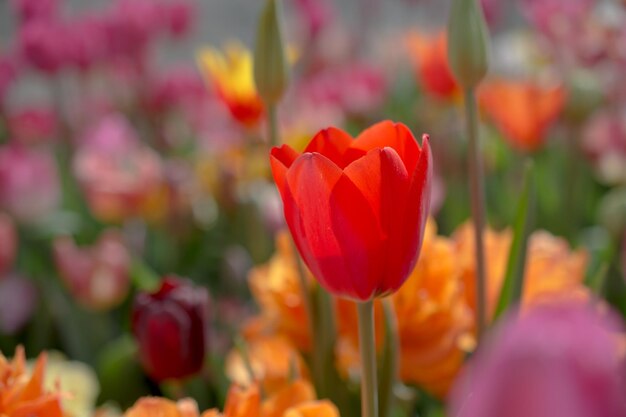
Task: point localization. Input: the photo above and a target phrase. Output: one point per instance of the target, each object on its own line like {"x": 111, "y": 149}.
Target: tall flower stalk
{"x": 468, "y": 53}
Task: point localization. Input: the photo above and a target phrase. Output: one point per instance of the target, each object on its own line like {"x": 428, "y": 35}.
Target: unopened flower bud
{"x": 468, "y": 42}
{"x": 271, "y": 72}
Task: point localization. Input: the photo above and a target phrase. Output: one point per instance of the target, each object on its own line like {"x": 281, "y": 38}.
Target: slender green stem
{"x": 367, "y": 347}
{"x": 476, "y": 185}
{"x": 272, "y": 125}
{"x": 389, "y": 363}
{"x": 304, "y": 291}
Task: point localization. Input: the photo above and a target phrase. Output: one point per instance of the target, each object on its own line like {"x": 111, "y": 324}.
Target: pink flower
{"x": 29, "y": 184}
{"x": 315, "y": 14}
{"x": 356, "y": 88}
{"x": 43, "y": 45}
{"x": 557, "y": 19}
{"x": 181, "y": 87}
{"x": 18, "y": 300}
{"x": 32, "y": 125}
{"x": 121, "y": 177}
{"x": 97, "y": 276}
{"x": 604, "y": 141}
{"x": 178, "y": 17}
{"x": 87, "y": 39}
{"x": 8, "y": 243}
{"x": 8, "y": 74}
{"x": 29, "y": 10}
{"x": 554, "y": 361}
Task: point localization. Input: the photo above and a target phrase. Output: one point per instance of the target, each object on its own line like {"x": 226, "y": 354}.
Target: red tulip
{"x": 170, "y": 327}
{"x": 357, "y": 208}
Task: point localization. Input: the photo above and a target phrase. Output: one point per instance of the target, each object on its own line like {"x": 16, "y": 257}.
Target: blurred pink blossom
{"x": 87, "y": 40}
{"x": 557, "y": 19}
{"x": 178, "y": 17}
{"x": 121, "y": 177}
{"x": 8, "y": 244}
{"x": 32, "y": 125}
{"x": 97, "y": 276}
{"x": 29, "y": 183}
{"x": 553, "y": 361}
{"x": 604, "y": 141}
{"x": 315, "y": 15}
{"x": 28, "y": 10}
{"x": 8, "y": 74}
{"x": 492, "y": 10}
{"x": 43, "y": 45}
{"x": 18, "y": 300}
{"x": 356, "y": 88}
{"x": 179, "y": 88}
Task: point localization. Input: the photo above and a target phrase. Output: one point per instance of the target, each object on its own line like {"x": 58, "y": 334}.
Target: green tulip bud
{"x": 468, "y": 42}
{"x": 271, "y": 72}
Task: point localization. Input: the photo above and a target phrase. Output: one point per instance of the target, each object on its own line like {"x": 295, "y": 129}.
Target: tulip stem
{"x": 367, "y": 347}
{"x": 272, "y": 125}
{"x": 476, "y": 185}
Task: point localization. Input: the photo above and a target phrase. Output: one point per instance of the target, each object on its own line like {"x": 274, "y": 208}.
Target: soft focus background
{"x": 133, "y": 149}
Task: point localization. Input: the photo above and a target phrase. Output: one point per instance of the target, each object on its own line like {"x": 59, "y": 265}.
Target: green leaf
{"x": 513, "y": 285}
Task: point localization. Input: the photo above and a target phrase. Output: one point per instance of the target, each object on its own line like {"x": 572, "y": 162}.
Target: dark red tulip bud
{"x": 170, "y": 326}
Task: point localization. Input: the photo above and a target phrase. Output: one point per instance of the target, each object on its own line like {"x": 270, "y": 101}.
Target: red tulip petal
{"x": 387, "y": 133}
{"x": 332, "y": 143}
{"x": 384, "y": 182}
{"x": 406, "y": 250}
{"x": 319, "y": 197}
{"x": 281, "y": 158}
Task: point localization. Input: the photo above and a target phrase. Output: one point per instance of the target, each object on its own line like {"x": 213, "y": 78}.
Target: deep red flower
{"x": 170, "y": 327}
{"x": 357, "y": 208}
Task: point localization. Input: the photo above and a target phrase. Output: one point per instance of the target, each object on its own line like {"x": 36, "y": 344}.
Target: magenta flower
{"x": 32, "y": 125}
{"x": 43, "y": 45}
{"x": 178, "y": 17}
{"x": 8, "y": 74}
{"x": 29, "y": 184}
{"x": 604, "y": 142}
{"x": 28, "y": 10}
{"x": 553, "y": 361}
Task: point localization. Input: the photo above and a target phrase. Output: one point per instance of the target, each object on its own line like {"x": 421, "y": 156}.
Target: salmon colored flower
{"x": 272, "y": 358}
{"x": 97, "y": 276}
{"x": 170, "y": 326}
{"x": 162, "y": 407}
{"x": 553, "y": 271}
{"x": 357, "y": 208}
{"x": 276, "y": 289}
{"x": 430, "y": 56}
{"x": 230, "y": 73}
{"x": 295, "y": 399}
{"x": 23, "y": 395}
{"x": 522, "y": 111}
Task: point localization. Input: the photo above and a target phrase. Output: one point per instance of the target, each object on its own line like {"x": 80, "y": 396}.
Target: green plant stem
{"x": 476, "y": 185}
{"x": 367, "y": 348}
{"x": 389, "y": 360}
{"x": 272, "y": 125}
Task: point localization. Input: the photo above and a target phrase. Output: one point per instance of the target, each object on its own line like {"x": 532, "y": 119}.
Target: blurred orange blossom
{"x": 521, "y": 110}
{"x": 23, "y": 395}
{"x": 430, "y": 57}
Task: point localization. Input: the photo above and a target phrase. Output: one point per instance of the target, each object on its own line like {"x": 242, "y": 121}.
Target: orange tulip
{"x": 272, "y": 359}
{"x": 553, "y": 271}
{"x": 522, "y": 111}
{"x": 23, "y": 395}
{"x": 430, "y": 56}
